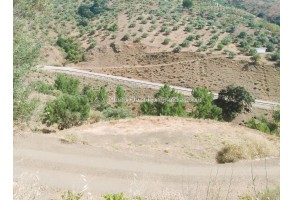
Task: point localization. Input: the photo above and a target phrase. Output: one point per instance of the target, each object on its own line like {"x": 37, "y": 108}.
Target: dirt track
{"x": 100, "y": 164}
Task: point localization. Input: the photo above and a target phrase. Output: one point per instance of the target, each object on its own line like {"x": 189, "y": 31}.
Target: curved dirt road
{"x": 186, "y": 91}
{"x": 125, "y": 156}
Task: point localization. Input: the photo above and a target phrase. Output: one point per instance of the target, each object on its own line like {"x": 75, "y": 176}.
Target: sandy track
{"x": 44, "y": 161}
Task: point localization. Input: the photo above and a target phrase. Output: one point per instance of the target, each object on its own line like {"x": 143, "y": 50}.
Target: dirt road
{"x": 98, "y": 163}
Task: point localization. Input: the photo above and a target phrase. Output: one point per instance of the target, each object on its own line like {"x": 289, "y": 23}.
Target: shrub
{"x": 255, "y": 58}
{"x": 220, "y": 46}
{"x": 191, "y": 37}
{"x": 185, "y": 43}
{"x": 231, "y": 29}
{"x": 89, "y": 93}
{"x": 117, "y": 113}
{"x": 166, "y": 41}
{"x": 126, "y": 37}
{"x": 132, "y": 25}
{"x": 187, "y": 3}
{"x": 188, "y": 28}
{"x": 226, "y": 41}
{"x": 243, "y": 34}
{"x": 69, "y": 195}
{"x": 144, "y": 35}
{"x": 120, "y": 96}
{"x": 177, "y": 49}
{"x": 249, "y": 147}
{"x": 138, "y": 39}
{"x": 275, "y": 56}
{"x": 66, "y": 111}
{"x": 74, "y": 52}
{"x": 233, "y": 100}
{"x": 252, "y": 52}
{"x": 113, "y": 28}
{"x": 230, "y": 153}
{"x": 262, "y": 124}
{"x": 66, "y": 84}
{"x": 167, "y": 31}
{"x": 270, "y": 47}
{"x": 42, "y": 87}
{"x": 176, "y": 27}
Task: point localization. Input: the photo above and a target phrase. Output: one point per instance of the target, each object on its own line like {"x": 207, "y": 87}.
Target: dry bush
{"x": 70, "y": 138}
{"x": 95, "y": 116}
{"x": 249, "y": 148}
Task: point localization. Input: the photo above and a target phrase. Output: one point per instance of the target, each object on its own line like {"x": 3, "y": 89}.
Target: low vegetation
{"x": 249, "y": 148}
{"x": 262, "y": 124}
{"x": 73, "y": 49}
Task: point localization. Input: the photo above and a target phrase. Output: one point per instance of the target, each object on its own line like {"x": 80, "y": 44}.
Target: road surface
{"x": 268, "y": 105}
{"x": 44, "y": 168}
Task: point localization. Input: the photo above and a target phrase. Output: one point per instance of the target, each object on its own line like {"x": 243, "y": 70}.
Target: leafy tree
{"x": 233, "y": 100}
{"x": 168, "y": 102}
{"x": 102, "y": 98}
{"x": 243, "y": 34}
{"x": 120, "y": 96}
{"x": 89, "y": 93}
{"x": 66, "y": 84}
{"x": 204, "y": 108}
{"x": 187, "y": 3}
{"x": 84, "y": 11}
{"x": 66, "y": 111}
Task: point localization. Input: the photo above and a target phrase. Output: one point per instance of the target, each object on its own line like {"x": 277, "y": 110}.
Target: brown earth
{"x": 188, "y": 69}
{"x": 156, "y": 157}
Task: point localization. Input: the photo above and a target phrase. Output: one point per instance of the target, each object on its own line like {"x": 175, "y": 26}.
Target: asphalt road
{"x": 268, "y": 105}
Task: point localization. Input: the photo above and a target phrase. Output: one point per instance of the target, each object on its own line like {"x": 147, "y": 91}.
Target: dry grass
{"x": 247, "y": 148}
{"x": 70, "y": 138}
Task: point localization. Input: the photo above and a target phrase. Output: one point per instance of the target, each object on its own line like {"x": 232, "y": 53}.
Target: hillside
{"x": 268, "y": 9}
{"x": 154, "y": 157}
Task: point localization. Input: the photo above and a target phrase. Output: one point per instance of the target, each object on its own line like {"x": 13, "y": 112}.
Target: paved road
{"x": 268, "y": 105}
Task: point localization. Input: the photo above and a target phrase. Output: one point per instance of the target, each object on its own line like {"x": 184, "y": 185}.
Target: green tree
{"x": 102, "y": 98}
{"x": 204, "y": 107}
{"x": 233, "y": 100}
{"x": 89, "y": 93}
{"x": 187, "y": 3}
{"x": 25, "y": 55}
{"x": 168, "y": 102}
{"x": 120, "y": 96}
{"x": 66, "y": 84}
{"x": 66, "y": 111}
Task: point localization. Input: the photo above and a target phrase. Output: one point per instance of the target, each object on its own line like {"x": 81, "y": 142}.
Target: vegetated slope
{"x": 160, "y": 25}
{"x": 192, "y": 70}
{"x": 109, "y": 34}
{"x": 268, "y": 9}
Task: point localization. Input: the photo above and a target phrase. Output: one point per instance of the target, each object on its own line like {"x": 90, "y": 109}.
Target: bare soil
{"x": 159, "y": 157}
